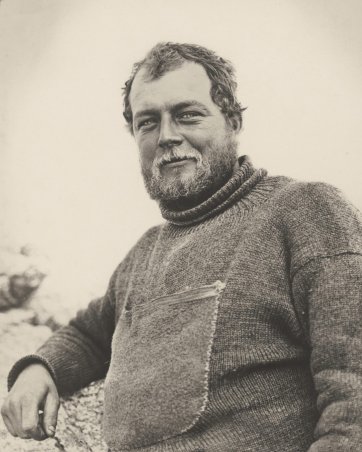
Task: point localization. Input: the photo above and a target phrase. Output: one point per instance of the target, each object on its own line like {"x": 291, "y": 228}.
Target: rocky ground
{"x": 22, "y": 330}
{"x": 19, "y": 337}
{"x": 80, "y": 416}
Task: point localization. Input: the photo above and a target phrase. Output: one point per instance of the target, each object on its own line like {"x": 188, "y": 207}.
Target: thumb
{"x": 51, "y": 407}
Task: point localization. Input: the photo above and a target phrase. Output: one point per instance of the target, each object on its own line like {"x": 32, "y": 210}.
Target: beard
{"x": 213, "y": 168}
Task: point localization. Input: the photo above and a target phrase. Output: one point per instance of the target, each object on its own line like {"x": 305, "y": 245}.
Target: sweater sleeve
{"x": 329, "y": 290}
{"x": 80, "y": 352}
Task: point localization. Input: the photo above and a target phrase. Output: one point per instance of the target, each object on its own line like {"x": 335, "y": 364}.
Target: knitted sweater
{"x": 235, "y": 326}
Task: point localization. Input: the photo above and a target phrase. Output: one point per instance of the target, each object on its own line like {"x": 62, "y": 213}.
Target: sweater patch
{"x": 157, "y": 385}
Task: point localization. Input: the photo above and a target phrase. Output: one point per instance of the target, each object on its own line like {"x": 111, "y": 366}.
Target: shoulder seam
{"x": 323, "y": 256}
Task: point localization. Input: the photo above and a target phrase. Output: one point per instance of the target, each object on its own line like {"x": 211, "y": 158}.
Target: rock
{"x": 52, "y": 307}
{"x": 19, "y": 338}
{"x": 32, "y": 309}
{"x": 15, "y": 317}
{"x": 80, "y": 420}
{"x": 80, "y": 415}
{"x": 21, "y": 273}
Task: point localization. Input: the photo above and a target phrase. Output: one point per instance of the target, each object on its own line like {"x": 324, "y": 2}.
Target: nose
{"x": 169, "y": 135}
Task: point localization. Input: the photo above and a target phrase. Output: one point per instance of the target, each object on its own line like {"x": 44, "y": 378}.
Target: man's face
{"x": 187, "y": 150}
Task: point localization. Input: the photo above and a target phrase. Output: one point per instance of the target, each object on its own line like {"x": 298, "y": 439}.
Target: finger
{"x": 9, "y": 425}
{"x": 14, "y": 415}
{"x": 29, "y": 419}
{"x": 40, "y": 433}
{"x": 51, "y": 413}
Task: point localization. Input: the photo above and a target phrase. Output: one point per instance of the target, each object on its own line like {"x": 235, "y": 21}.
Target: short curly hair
{"x": 167, "y": 56}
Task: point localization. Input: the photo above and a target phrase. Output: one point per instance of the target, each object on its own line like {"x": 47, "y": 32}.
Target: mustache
{"x": 177, "y": 154}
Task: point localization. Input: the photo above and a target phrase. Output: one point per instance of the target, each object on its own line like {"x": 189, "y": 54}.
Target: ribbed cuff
{"x": 24, "y": 362}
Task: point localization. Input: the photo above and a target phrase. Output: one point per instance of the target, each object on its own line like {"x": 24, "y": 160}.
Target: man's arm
{"x": 70, "y": 359}
{"x": 78, "y": 353}
{"x": 328, "y": 291}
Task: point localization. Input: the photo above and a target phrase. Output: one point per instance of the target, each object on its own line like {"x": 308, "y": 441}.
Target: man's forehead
{"x": 187, "y": 82}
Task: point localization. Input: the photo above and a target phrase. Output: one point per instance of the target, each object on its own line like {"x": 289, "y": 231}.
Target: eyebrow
{"x": 188, "y": 103}
{"x": 173, "y": 108}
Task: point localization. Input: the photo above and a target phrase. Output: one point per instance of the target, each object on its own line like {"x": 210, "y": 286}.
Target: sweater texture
{"x": 234, "y": 326}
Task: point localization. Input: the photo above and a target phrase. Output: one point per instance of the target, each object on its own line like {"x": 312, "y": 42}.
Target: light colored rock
{"x": 14, "y": 317}
{"x": 51, "y": 306}
{"x": 80, "y": 415}
{"x": 22, "y": 331}
{"x": 19, "y": 338}
{"x": 21, "y": 273}
{"x": 80, "y": 420}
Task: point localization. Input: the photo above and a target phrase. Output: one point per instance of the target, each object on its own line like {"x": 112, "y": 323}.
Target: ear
{"x": 235, "y": 123}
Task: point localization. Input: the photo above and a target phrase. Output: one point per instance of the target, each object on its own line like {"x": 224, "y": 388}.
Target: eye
{"x": 189, "y": 115}
{"x": 146, "y": 123}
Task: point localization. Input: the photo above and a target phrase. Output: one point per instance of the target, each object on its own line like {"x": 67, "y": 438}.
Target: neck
{"x": 191, "y": 201}
{"x": 241, "y": 182}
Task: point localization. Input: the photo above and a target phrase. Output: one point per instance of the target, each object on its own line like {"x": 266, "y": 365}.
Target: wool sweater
{"x": 234, "y": 326}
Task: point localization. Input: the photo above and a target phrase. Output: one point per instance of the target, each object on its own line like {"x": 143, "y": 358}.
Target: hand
{"x": 33, "y": 391}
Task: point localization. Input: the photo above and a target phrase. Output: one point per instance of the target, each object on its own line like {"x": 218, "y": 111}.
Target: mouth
{"x": 177, "y": 161}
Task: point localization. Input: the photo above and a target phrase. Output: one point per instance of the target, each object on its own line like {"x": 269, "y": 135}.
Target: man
{"x": 234, "y": 326}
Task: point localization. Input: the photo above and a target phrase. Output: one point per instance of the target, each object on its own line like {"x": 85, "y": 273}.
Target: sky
{"x": 69, "y": 172}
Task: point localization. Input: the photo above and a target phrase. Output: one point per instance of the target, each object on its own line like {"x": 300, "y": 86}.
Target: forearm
{"x": 78, "y": 353}
{"x": 331, "y": 289}
{"x": 72, "y": 360}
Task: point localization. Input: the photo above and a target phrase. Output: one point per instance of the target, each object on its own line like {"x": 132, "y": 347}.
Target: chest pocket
{"x": 157, "y": 385}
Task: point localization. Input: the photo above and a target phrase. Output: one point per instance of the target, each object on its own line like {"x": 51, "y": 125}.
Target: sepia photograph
{"x": 181, "y": 228}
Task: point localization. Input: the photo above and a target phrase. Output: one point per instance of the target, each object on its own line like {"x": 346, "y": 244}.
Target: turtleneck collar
{"x": 240, "y": 183}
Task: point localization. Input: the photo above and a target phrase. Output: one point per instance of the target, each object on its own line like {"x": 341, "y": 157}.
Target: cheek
{"x": 201, "y": 141}
{"x": 147, "y": 147}
{"x": 206, "y": 136}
